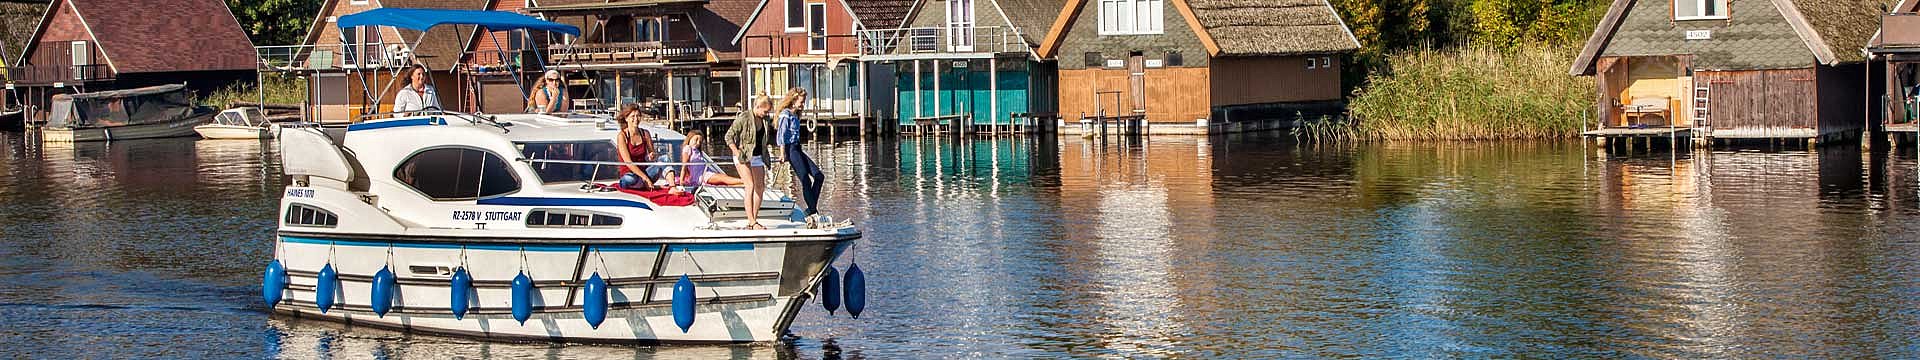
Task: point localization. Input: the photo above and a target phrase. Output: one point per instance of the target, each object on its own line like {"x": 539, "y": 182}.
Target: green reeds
{"x": 1473, "y": 93}
{"x": 279, "y": 90}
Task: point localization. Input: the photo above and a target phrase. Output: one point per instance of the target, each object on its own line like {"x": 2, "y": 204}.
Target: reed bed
{"x": 1472, "y": 93}
{"x": 279, "y": 90}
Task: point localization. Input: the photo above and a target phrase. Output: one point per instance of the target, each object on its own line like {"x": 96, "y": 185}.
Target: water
{"x": 1237, "y": 246}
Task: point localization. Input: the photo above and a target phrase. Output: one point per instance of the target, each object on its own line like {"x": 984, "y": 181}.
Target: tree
{"x": 275, "y": 22}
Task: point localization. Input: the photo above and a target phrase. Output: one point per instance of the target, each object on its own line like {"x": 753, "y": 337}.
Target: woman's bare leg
{"x": 756, "y": 188}
{"x": 717, "y": 178}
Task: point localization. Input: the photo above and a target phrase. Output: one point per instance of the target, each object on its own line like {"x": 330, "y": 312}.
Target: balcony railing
{"x": 332, "y": 57}
{"x": 58, "y": 73}
{"x": 936, "y": 40}
{"x": 613, "y": 53}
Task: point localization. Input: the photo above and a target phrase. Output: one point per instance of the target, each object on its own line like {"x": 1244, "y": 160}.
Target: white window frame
{"x": 357, "y": 2}
{"x": 960, "y": 26}
{"x": 1700, "y": 7}
{"x": 1126, "y": 17}
{"x": 786, "y": 8}
{"x": 808, "y": 14}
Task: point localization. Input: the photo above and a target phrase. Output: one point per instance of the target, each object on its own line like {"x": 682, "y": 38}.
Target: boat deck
{"x": 1904, "y": 128}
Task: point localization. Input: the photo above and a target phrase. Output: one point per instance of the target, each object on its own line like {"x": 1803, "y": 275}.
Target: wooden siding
{"x": 54, "y": 53}
{"x": 1262, "y": 80}
{"x": 966, "y": 91}
{"x": 767, "y": 36}
{"x": 1174, "y": 95}
{"x": 1760, "y": 101}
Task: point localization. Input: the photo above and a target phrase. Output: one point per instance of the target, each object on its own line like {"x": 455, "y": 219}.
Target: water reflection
{"x": 1246, "y": 245}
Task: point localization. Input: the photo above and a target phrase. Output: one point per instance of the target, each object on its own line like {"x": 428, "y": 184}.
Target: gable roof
{"x": 1031, "y": 17}
{"x": 1832, "y": 30}
{"x": 442, "y": 46}
{"x": 880, "y": 14}
{"x": 719, "y": 21}
{"x": 1274, "y": 27}
{"x": 160, "y": 35}
{"x": 1245, "y": 27}
{"x": 888, "y": 12}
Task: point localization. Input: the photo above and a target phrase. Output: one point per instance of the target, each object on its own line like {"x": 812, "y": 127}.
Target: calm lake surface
{"x": 1235, "y": 246}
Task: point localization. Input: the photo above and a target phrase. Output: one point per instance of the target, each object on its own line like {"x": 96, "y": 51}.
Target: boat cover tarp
{"x": 147, "y": 105}
{"x": 423, "y": 19}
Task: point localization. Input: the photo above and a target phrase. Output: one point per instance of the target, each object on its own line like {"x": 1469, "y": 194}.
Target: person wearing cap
{"x": 549, "y": 94}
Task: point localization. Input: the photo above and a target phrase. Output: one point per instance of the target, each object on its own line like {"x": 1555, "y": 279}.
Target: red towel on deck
{"x": 658, "y": 197}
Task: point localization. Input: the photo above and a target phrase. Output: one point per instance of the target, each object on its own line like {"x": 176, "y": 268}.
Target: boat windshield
{"x": 575, "y": 151}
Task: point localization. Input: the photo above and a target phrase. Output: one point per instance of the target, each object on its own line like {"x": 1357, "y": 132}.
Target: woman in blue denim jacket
{"x": 787, "y": 135}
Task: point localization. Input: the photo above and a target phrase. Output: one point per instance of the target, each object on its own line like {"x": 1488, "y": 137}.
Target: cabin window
{"x": 1131, "y": 17}
{"x": 310, "y": 216}
{"x": 817, "y": 28}
{"x": 796, "y": 15}
{"x": 447, "y": 174}
{"x": 1699, "y": 9}
{"x": 960, "y": 25}
{"x": 571, "y": 151}
{"x": 649, "y": 29}
{"x": 558, "y": 218}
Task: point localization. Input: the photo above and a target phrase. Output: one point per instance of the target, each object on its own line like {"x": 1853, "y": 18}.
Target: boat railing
{"x": 471, "y": 118}
{"x": 724, "y": 160}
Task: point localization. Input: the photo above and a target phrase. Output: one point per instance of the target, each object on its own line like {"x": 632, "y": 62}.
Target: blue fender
{"x": 522, "y": 298}
{"x": 856, "y": 290}
{"x": 683, "y": 303}
{"x": 383, "y": 287}
{"x": 596, "y": 301}
{"x": 325, "y": 288}
{"x": 830, "y": 290}
{"x": 273, "y": 285}
{"x": 462, "y": 290}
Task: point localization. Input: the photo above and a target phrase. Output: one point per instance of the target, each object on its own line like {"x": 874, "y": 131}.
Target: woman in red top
{"x": 635, "y": 144}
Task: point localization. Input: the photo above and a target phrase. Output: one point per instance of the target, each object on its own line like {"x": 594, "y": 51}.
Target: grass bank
{"x": 1469, "y": 93}
{"x": 279, "y": 90}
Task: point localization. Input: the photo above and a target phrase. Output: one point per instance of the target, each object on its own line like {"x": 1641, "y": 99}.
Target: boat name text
{"x": 488, "y": 215}
{"x": 300, "y": 193}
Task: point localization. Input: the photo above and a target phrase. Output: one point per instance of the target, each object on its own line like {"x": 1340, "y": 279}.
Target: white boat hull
{"x": 746, "y": 291}
{"x": 218, "y": 131}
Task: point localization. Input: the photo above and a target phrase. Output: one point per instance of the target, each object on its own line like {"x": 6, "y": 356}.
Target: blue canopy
{"x": 423, "y": 19}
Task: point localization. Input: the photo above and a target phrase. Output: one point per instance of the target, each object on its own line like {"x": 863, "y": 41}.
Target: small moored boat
{"x": 142, "y": 113}
{"x": 238, "y": 123}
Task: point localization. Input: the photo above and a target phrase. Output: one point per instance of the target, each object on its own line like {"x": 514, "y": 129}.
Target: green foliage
{"x": 280, "y": 89}
{"x": 275, "y": 22}
{"x": 1522, "y": 22}
{"x": 1474, "y": 93}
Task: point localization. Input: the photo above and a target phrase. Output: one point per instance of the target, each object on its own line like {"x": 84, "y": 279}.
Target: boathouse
{"x": 1895, "y": 61}
{"x": 338, "y": 64}
{"x": 963, "y": 64}
{"x": 657, "y": 53}
{"x": 1730, "y": 69}
{"x": 813, "y": 44}
{"x": 1198, "y": 66}
{"x": 98, "y": 45}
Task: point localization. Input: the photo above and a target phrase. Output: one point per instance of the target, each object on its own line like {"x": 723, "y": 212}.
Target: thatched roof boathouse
{"x": 1198, "y": 66}
{"x": 1730, "y": 69}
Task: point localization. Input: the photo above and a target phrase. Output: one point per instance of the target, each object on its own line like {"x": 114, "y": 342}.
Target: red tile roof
{"x": 167, "y": 35}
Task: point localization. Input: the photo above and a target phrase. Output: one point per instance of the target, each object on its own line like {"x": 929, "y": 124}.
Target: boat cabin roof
{"x": 537, "y": 128}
